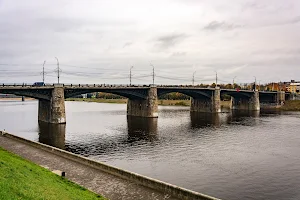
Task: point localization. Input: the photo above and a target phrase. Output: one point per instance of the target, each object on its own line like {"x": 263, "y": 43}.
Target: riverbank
{"x": 291, "y": 105}
{"x": 21, "y": 179}
{"x": 161, "y": 102}
{"x": 111, "y": 182}
{"x": 16, "y": 99}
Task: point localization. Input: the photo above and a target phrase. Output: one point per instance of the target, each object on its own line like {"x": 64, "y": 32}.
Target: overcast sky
{"x": 98, "y": 41}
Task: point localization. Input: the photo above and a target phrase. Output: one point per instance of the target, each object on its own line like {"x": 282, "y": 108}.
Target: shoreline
{"x": 17, "y": 99}
{"x": 290, "y": 105}
{"x": 96, "y": 176}
{"x": 161, "y": 102}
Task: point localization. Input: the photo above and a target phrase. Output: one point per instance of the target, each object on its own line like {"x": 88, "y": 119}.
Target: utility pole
{"x": 153, "y": 74}
{"x": 57, "y": 70}
{"x": 194, "y": 78}
{"x": 130, "y": 75}
{"x": 216, "y": 78}
{"x": 44, "y": 71}
{"x": 233, "y": 82}
{"x": 280, "y": 85}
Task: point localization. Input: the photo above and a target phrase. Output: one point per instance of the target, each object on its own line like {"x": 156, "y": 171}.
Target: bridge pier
{"x": 144, "y": 107}
{"x": 209, "y": 105}
{"x": 53, "y": 110}
{"x": 280, "y": 98}
{"x": 251, "y": 103}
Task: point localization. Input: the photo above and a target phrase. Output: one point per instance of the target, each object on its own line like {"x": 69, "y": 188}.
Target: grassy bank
{"x": 292, "y": 105}
{"x": 98, "y": 100}
{"x": 161, "y": 102}
{"x": 21, "y": 179}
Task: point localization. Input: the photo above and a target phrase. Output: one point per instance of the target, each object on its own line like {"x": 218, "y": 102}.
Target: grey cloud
{"x": 282, "y": 52}
{"x": 223, "y": 26}
{"x": 294, "y": 20}
{"x": 178, "y": 54}
{"x": 167, "y": 41}
{"x": 254, "y": 5}
{"x": 127, "y": 44}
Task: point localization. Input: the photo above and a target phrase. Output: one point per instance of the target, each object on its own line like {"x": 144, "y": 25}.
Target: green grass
{"x": 161, "y": 102}
{"x": 292, "y": 105}
{"x": 98, "y": 100}
{"x": 21, "y": 179}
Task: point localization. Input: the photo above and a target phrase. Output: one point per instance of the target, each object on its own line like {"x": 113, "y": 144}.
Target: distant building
{"x": 293, "y": 86}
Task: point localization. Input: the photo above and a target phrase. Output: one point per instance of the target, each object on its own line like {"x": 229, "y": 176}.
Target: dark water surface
{"x": 227, "y": 155}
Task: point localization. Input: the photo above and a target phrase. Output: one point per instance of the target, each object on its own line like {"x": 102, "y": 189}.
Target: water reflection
{"x": 201, "y": 120}
{"x": 248, "y": 118}
{"x": 52, "y": 134}
{"x": 140, "y": 128}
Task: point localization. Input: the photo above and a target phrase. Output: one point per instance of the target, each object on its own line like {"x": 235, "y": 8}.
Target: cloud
{"x": 127, "y": 44}
{"x": 178, "y": 54}
{"x": 278, "y": 52}
{"x": 93, "y": 36}
{"x": 167, "y": 41}
{"x": 222, "y": 26}
{"x": 294, "y": 20}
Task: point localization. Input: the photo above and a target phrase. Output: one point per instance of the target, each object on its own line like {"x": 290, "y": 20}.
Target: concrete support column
{"x": 210, "y": 105}
{"x": 280, "y": 97}
{"x": 251, "y": 103}
{"x": 144, "y": 107}
{"x": 53, "y": 111}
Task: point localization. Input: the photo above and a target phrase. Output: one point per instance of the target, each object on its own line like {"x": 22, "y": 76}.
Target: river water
{"x": 228, "y": 155}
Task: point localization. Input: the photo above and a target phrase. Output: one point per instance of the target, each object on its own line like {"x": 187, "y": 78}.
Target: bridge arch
{"x": 140, "y": 94}
{"x": 31, "y": 92}
{"x": 196, "y": 94}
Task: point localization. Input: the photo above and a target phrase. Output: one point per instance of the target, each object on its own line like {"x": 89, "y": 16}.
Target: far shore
{"x": 161, "y": 102}
{"x": 16, "y": 99}
{"x": 291, "y": 105}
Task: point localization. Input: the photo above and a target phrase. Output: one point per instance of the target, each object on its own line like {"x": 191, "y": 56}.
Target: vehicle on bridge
{"x": 38, "y": 84}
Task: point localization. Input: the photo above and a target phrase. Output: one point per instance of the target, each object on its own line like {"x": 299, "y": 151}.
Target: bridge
{"x": 142, "y": 100}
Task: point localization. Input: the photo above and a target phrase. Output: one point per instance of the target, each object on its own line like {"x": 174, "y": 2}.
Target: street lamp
{"x": 153, "y": 74}
{"x": 57, "y": 70}
{"x": 130, "y": 75}
{"x": 44, "y": 71}
{"x": 254, "y": 83}
{"x": 233, "y": 82}
{"x": 194, "y": 77}
{"x": 216, "y": 78}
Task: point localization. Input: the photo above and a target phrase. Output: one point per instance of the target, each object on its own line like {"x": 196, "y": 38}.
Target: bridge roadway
{"x": 142, "y": 100}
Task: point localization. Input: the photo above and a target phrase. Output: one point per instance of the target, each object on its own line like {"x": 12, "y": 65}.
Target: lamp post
{"x": 153, "y": 74}
{"x": 216, "y": 78}
{"x": 254, "y": 83}
{"x": 194, "y": 77}
{"x": 57, "y": 70}
{"x": 44, "y": 71}
{"x": 130, "y": 75}
{"x": 233, "y": 82}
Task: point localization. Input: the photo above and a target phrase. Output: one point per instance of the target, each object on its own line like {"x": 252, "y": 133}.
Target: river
{"x": 228, "y": 155}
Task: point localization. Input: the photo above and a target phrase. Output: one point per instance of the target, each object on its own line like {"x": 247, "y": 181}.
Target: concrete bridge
{"x": 142, "y": 100}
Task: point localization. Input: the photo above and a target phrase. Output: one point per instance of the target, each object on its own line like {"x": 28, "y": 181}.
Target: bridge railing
{"x": 23, "y": 85}
{"x": 69, "y": 85}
